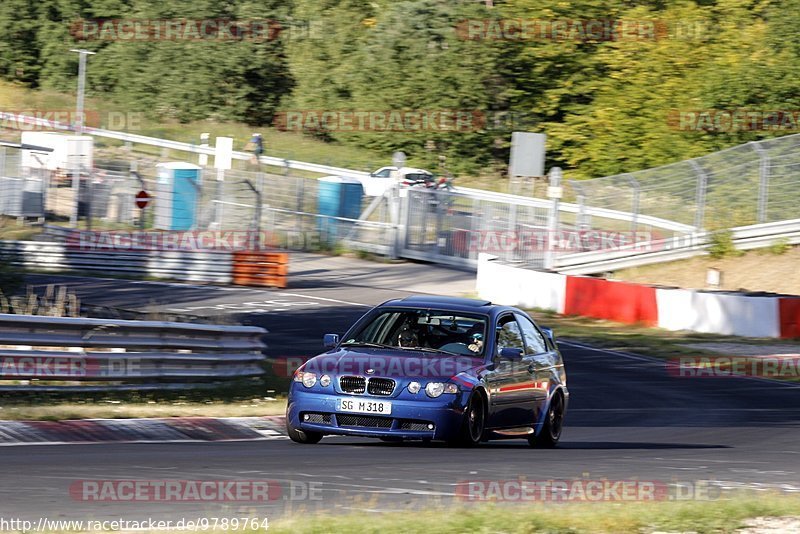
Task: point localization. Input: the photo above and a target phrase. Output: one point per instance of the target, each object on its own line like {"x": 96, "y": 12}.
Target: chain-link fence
{"x": 751, "y": 183}
{"x": 21, "y": 190}
{"x": 748, "y": 184}
{"x": 452, "y": 227}
{"x": 105, "y": 193}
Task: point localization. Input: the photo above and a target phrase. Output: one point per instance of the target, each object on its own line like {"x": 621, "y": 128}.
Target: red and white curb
{"x": 163, "y": 430}
{"x": 712, "y": 312}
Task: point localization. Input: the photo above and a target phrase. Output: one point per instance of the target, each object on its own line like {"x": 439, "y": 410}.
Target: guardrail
{"x": 338, "y": 171}
{"x": 124, "y": 354}
{"x": 679, "y": 248}
{"x": 190, "y": 266}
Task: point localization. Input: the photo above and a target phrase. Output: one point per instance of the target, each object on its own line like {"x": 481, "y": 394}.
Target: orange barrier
{"x": 261, "y": 269}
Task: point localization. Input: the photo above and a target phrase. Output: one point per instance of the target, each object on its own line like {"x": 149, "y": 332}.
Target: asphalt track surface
{"x": 628, "y": 419}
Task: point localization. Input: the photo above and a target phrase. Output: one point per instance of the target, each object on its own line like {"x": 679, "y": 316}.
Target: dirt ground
{"x": 757, "y": 270}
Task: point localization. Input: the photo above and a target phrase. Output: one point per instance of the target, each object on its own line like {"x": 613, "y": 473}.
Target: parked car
{"x": 433, "y": 368}
{"x": 380, "y": 180}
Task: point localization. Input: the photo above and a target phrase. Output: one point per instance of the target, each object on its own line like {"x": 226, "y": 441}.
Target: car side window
{"x": 508, "y": 334}
{"x": 534, "y": 340}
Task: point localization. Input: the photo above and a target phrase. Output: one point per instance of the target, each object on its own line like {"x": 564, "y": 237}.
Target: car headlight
{"x": 324, "y": 381}
{"x": 435, "y": 389}
{"x": 308, "y": 379}
{"x": 414, "y": 387}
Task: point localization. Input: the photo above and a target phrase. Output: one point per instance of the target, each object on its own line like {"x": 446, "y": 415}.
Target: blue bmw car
{"x": 433, "y": 368}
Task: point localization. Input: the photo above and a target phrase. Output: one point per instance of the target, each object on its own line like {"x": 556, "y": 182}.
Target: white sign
{"x": 69, "y": 151}
{"x": 527, "y": 154}
{"x": 224, "y": 153}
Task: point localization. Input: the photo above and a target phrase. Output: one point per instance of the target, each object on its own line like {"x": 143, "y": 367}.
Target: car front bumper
{"x": 409, "y": 418}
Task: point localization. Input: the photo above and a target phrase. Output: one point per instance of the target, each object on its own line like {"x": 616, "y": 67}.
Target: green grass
{"x": 608, "y": 517}
{"x": 641, "y": 339}
{"x": 285, "y": 145}
{"x": 13, "y": 231}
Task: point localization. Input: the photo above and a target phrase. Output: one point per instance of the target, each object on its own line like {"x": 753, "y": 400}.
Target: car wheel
{"x": 474, "y": 423}
{"x": 553, "y": 423}
{"x": 302, "y": 436}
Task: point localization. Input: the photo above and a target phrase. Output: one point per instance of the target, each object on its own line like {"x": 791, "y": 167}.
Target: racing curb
{"x": 161, "y": 430}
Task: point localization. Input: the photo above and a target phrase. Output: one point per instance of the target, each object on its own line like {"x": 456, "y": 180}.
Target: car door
{"x": 539, "y": 360}
{"x": 510, "y": 382}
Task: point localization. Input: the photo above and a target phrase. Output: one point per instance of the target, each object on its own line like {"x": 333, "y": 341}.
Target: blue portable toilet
{"x": 177, "y": 194}
{"x": 338, "y": 196}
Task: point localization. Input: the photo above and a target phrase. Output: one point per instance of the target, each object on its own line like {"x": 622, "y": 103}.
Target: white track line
{"x": 337, "y": 301}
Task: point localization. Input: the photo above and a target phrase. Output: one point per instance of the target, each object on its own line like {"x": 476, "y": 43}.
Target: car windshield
{"x": 432, "y": 331}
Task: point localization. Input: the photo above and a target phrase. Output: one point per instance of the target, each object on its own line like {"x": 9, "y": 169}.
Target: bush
{"x": 721, "y": 245}
{"x": 780, "y": 247}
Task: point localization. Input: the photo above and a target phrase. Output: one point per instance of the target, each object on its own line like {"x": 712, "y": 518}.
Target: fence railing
{"x": 678, "y": 248}
{"x": 190, "y": 266}
{"x": 749, "y": 184}
{"x": 52, "y": 353}
{"x": 588, "y": 210}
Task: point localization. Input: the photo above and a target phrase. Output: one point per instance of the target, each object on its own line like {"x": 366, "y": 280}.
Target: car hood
{"x": 392, "y": 364}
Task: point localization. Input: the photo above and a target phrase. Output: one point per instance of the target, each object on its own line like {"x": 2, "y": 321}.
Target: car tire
{"x": 553, "y": 424}
{"x": 302, "y": 436}
{"x": 474, "y": 425}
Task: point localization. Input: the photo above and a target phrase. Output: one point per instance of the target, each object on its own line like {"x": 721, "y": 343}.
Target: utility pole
{"x": 76, "y": 168}
{"x": 554, "y": 192}
{"x": 81, "y": 87}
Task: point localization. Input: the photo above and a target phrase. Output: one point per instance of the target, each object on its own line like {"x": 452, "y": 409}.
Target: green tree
{"x": 19, "y": 55}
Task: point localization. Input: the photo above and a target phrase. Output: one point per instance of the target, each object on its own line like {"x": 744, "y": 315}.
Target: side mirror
{"x": 330, "y": 340}
{"x": 510, "y": 353}
{"x": 549, "y": 333}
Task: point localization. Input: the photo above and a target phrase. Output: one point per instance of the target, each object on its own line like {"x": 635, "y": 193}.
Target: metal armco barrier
{"x": 189, "y": 266}
{"x": 261, "y": 269}
{"x": 647, "y": 253}
{"x": 125, "y": 354}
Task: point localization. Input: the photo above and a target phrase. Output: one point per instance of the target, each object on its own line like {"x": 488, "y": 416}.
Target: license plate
{"x": 364, "y": 406}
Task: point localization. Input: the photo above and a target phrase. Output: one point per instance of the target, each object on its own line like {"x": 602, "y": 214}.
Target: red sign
{"x": 142, "y": 199}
